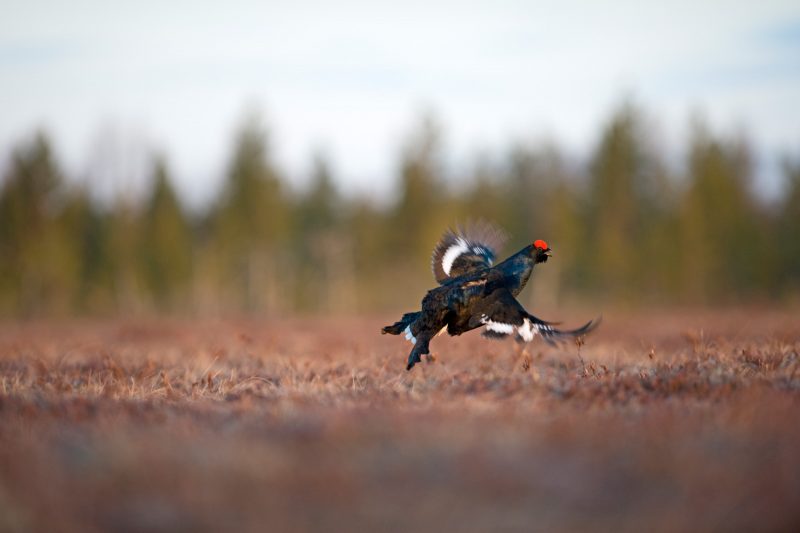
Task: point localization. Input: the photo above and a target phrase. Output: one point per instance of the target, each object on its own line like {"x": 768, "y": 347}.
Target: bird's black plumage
{"x": 473, "y": 293}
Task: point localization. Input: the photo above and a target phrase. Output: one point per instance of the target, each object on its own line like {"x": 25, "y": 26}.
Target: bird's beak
{"x": 548, "y": 252}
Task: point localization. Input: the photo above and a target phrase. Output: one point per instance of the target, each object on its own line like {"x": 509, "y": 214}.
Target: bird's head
{"x": 541, "y": 252}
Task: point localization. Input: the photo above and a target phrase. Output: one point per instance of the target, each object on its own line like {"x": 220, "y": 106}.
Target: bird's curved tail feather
{"x": 553, "y": 335}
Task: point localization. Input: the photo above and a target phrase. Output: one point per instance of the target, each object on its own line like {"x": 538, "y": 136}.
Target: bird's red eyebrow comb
{"x": 539, "y": 243}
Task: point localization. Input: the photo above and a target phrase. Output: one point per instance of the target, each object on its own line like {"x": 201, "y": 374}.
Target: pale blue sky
{"x": 351, "y": 78}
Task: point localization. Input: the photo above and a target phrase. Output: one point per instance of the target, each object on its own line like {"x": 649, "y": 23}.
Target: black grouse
{"x": 472, "y": 293}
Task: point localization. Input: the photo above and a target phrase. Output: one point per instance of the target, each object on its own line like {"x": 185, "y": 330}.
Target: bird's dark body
{"x": 473, "y": 293}
{"x": 459, "y": 302}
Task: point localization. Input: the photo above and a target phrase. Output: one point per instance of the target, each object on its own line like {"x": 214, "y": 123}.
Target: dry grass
{"x": 680, "y": 421}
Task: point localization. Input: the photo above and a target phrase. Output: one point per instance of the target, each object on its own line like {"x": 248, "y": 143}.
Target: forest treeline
{"x": 626, "y": 227}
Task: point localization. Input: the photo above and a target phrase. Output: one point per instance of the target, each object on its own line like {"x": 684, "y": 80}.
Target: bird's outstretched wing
{"x": 503, "y": 316}
{"x": 466, "y": 249}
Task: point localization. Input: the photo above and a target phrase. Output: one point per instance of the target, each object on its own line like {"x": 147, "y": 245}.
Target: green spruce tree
{"x": 250, "y": 228}
{"x": 166, "y": 243}
{"x": 38, "y": 267}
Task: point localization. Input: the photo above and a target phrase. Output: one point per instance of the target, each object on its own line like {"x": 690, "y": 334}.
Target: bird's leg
{"x": 521, "y": 353}
{"x": 526, "y": 358}
{"x": 431, "y": 357}
{"x": 420, "y": 349}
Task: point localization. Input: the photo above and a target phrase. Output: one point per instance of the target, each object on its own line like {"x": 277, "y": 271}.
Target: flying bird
{"x": 475, "y": 293}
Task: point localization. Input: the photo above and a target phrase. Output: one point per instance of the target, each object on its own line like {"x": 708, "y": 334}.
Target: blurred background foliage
{"x": 627, "y": 229}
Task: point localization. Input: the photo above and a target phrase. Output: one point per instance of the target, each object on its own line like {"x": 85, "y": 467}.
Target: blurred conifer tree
{"x": 39, "y": 265}
{"x": 623, "y": 229}
{"x": 165, "y": 248}
{"x": 250, "y": 227}
{"x": 720, "y": 248}
{"x": 421, "y": 210}
{"x": 624, "y": 199}
{"x": 88, "y": 235}
{"x": 325, "y": 250}
{"x": 788, "y": 228}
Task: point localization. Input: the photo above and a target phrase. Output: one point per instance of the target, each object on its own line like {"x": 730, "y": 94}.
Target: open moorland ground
{"x": 667, "y": 421}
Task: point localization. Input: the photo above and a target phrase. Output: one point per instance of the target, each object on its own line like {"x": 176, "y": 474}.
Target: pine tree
{"x": 87, "y": 230}
{"x": 317, "y": 209}
{"x": 788, "y": 229}
{"x": 324, "y": 249}
{"x": 720, "y": 226}
{"x": 251, "y": 227}
{"x": 166, "y": 247}
{"x": 421, "y": 212}
{"x": 483, "y": 196}
{"x": 625, "y": 185}
{"x": 528, "y": 186}
{"x": 38, "y": 265}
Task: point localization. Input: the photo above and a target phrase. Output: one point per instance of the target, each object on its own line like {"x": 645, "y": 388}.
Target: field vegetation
{"x": 662, "y": 422}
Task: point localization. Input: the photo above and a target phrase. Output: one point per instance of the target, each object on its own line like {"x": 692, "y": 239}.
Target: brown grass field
{"x": 679, "y": 421}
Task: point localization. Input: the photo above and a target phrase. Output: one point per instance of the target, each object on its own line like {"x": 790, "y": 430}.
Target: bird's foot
{"x": 413, "y": 359}
{"x": 430, "y": 357}
{"x": 526, "y": 361}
